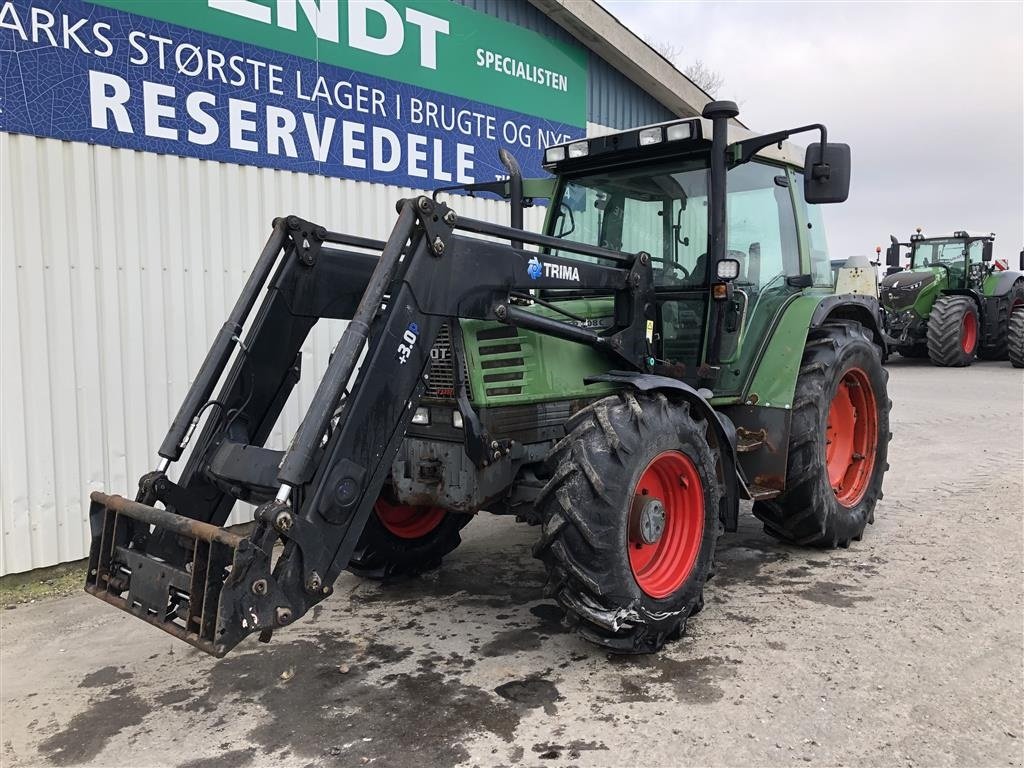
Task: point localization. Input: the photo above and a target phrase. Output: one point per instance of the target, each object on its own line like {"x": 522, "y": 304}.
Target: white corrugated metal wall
{"x": 118, "y": 268}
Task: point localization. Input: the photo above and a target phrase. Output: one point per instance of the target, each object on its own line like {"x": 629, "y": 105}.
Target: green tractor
{"x": 670, "y": 345}
{"x": 953, "y": 303}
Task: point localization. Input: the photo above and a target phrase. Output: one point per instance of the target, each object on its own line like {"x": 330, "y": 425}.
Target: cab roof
{"x": 653, "y": 142}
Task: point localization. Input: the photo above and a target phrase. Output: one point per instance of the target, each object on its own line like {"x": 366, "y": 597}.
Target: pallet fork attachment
{"x": 176, "y": 566}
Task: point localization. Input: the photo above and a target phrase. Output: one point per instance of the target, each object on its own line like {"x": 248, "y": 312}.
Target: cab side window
{"x": 821, "y": 267}
{"x": 761, "y": 225}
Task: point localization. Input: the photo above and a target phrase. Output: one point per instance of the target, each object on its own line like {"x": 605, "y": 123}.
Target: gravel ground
{"x": 905, "y": 649}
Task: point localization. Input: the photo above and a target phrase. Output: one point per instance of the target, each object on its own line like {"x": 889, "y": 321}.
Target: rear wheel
{"x": 953, "y": 331}
{"x": 998, "y": 349}
{"x": 403, "y": 540}
{"x": 630, "y": 520}
{"x": 839, "y": 438}
{"x": 1015, "y": 338}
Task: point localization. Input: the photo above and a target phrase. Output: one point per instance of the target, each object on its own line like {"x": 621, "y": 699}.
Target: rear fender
{"x": 1000, "y": 283}
{"x": 722, "y": 435}
{"x": 864, "y": 309}
{"x": 773, "y": 379}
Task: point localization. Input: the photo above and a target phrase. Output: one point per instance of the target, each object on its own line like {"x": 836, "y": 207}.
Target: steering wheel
{"x": 676, "y": 267}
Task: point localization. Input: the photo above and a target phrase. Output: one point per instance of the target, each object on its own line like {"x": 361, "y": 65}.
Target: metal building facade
{"x": 117, "y": 269}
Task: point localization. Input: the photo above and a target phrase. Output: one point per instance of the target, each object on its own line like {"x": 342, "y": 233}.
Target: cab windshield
{"x": 662, "y": 209}
{"x": 659, "y": 209}
{"x": 948, "y": 253}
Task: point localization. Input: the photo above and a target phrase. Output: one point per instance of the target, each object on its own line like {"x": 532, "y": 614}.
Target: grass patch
{"x": 42, "y": 583}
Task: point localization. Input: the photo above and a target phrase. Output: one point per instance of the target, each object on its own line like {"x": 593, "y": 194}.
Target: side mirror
{"x": 827, "y": 173}
{"x": 892, "y": 253}
{"x": 986, "y": 251}
{"x": 1022, "y": 260}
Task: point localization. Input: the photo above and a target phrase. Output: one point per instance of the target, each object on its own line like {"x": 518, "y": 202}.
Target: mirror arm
{"x": 744, "y": 150}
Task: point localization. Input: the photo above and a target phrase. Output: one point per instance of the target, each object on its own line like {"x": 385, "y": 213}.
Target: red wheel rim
{"x": 851, "y": 437}
{"x": 408, "y": 522}
{"x": 661, "y": 567}
{"x": 969, "y": 332}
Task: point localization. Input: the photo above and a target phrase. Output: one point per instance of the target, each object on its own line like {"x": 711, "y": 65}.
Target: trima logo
{"x": 535, "y": 268}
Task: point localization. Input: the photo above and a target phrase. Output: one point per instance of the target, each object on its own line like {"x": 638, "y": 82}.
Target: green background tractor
{"x": 952, "y": 303}
{"x": 670, "y": 345}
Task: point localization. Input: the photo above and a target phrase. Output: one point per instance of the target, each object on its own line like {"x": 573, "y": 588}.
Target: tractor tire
{"x": 997, "y": 349}
{"x": 1015, "y": 338}
{"x": 399, "y": 540}
{"x": 630, "y": 520}
{"x": 953, "y": 331}
{"x": 838, "y": 442}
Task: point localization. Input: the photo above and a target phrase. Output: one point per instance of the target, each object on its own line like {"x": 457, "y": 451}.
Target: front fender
{"x": 723, "y": 432}
{"x": 969, "y": 293}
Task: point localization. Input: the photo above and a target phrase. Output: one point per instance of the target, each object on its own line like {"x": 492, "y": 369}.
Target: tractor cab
{"x": 963, "y": 258}
{"x": 650, "y": 191}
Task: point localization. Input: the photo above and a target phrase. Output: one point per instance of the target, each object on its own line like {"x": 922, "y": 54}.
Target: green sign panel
{"x": 430, "y": 43}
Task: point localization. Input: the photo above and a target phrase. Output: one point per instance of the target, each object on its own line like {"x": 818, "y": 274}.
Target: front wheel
{"x": 953, "y": 331}
{"x": 630, "y": 520}
{"x": 403, "y": 540}
{"x": 838, "y": 444}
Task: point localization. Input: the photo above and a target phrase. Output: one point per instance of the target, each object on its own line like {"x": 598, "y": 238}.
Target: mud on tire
{"x": 383, "y": 555}
{"x": 585, "y": 511}
{"x": 809, "y": 511}
{"x": 949, "y": 336}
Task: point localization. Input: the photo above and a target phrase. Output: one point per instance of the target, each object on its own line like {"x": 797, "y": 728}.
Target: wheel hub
{"x": 652, "y": 521}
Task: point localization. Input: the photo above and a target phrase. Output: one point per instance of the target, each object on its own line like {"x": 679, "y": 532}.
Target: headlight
{"x": 579, "y": 149}
{"x": 422, "y": 416}
{"x": 456, "y": 419}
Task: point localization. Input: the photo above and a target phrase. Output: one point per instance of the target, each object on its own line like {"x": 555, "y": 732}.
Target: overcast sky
{"x": 930, "y": 97}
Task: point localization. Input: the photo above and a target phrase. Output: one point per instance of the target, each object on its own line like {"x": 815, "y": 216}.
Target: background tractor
{"x": 952, "y": 303}
{"x": 670, "y": 345}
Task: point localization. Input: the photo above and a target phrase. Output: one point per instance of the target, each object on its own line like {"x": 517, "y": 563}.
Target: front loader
{"x": 669, "y": 346}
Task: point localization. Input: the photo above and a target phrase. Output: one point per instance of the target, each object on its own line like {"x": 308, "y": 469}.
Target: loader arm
{"x": 175, "y": 566}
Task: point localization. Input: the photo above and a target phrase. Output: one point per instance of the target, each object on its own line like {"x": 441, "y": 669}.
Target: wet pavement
{"x": 905, "y": 648}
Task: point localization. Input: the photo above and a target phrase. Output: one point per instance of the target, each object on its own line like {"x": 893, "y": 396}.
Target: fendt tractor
{"x": 669, "y": 346}
{"x": 952, "y": 303}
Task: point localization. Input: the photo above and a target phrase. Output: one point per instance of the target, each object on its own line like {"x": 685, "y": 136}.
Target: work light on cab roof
{"x": 643, "y": 137}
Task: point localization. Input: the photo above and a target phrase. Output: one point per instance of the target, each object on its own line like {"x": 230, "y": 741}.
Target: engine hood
{"x": 900, "y": 290}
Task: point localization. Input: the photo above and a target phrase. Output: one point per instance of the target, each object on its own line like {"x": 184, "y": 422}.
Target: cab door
{"x": 762, "y": 236}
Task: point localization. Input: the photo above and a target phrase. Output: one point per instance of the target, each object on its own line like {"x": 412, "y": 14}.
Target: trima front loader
{"x": 952, "y": 303}
{"x": 670, "y": 345}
